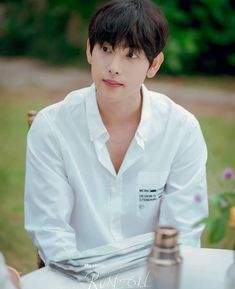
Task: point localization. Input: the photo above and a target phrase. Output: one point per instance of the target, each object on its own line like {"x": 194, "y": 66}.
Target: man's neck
{"x": 120, "y": 113}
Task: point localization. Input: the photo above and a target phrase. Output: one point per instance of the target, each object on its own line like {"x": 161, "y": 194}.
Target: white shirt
{"x": 74, "y": 199}
{"x": 5, "y": 280}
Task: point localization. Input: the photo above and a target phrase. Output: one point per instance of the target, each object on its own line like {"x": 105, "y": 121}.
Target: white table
{"x": 201, "y": 269}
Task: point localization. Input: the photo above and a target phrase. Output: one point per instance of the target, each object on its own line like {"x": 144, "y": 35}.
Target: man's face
{"x": 117, "y": 73}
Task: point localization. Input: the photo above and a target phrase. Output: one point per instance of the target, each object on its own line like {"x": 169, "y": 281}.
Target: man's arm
{"x": 187, "y": 178}
{"x": 48, "y": 195}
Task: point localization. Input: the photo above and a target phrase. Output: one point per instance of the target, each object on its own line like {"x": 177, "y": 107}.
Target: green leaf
{"x": 229, "y": 195}
{"x": 202, "y": 221}
{"x": 217, "y": 229}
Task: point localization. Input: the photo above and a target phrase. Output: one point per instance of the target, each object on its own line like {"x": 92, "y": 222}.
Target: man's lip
{"x": 112, "y": 82}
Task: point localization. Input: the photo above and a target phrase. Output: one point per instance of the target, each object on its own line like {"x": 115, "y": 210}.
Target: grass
{"x": 14, "y": 242}
{"x": 219, "y": 134}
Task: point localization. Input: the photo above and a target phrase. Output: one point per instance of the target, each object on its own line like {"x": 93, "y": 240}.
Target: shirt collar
{"x": 95, "y": 124}
{"x": 144, "y": 129}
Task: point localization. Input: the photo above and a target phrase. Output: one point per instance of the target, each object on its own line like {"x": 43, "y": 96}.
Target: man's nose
{"x": 115, "y": 66}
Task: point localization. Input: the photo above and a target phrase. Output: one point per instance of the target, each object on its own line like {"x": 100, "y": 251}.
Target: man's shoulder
{"x": 59, "y": 116}
{"x": 167, "y": 109}
{"x": 73, "y": 100}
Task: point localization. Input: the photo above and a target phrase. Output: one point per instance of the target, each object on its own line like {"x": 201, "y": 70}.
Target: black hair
{"x": 139, "y": 24}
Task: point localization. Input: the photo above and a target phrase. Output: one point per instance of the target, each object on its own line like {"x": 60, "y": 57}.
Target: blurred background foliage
{"x": 201, "y": 39}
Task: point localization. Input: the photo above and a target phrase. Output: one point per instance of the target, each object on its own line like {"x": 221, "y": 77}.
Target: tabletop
{"x": 201, "y": 268}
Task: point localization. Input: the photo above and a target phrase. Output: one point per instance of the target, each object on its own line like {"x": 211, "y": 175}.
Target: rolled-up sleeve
{"x": 48, "y": 195}
{"x": 187, "y": 179}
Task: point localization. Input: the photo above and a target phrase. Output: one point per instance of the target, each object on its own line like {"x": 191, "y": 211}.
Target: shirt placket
{"x": 116, "y": 207}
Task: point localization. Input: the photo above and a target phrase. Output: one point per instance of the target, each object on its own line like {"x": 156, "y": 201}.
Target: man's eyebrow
{"x": 134, "y": 50}
{"x": 105, "y": 43}
{"x": 122, "y": 47}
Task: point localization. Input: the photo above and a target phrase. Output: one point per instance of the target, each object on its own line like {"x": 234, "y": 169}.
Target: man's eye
{"x": 106, "y": 49}
{"x": 132, "y": 55}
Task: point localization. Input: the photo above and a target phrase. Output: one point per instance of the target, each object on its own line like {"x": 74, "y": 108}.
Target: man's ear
{"x": 88, "y": 51}
{"x": 153, "y": 69}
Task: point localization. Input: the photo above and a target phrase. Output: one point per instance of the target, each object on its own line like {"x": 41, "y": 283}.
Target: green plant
{"x": 221, "y": 221}
{"x": 200, "y": 33}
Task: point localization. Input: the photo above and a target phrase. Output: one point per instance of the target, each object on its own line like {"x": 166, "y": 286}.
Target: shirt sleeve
{"x": 48, "y": 194}
{"x": 187, "y": 178}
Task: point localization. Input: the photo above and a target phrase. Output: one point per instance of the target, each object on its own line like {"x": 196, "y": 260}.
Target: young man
{"x": 114, "y": 160}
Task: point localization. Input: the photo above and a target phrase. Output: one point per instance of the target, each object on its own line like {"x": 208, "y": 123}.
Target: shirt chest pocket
{"x": 150, "y": 188}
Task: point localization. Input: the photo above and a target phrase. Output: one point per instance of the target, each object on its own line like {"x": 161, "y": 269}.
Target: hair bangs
{"x": 136, "y": 24}
{"x": 118, "y": 29}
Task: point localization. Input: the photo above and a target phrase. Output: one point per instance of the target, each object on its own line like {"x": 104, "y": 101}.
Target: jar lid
{"x": 166, "y": 237}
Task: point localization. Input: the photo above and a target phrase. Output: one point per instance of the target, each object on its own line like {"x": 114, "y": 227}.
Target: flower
{"x": 228, "y": 173}
{"x": 221, "y": 220}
